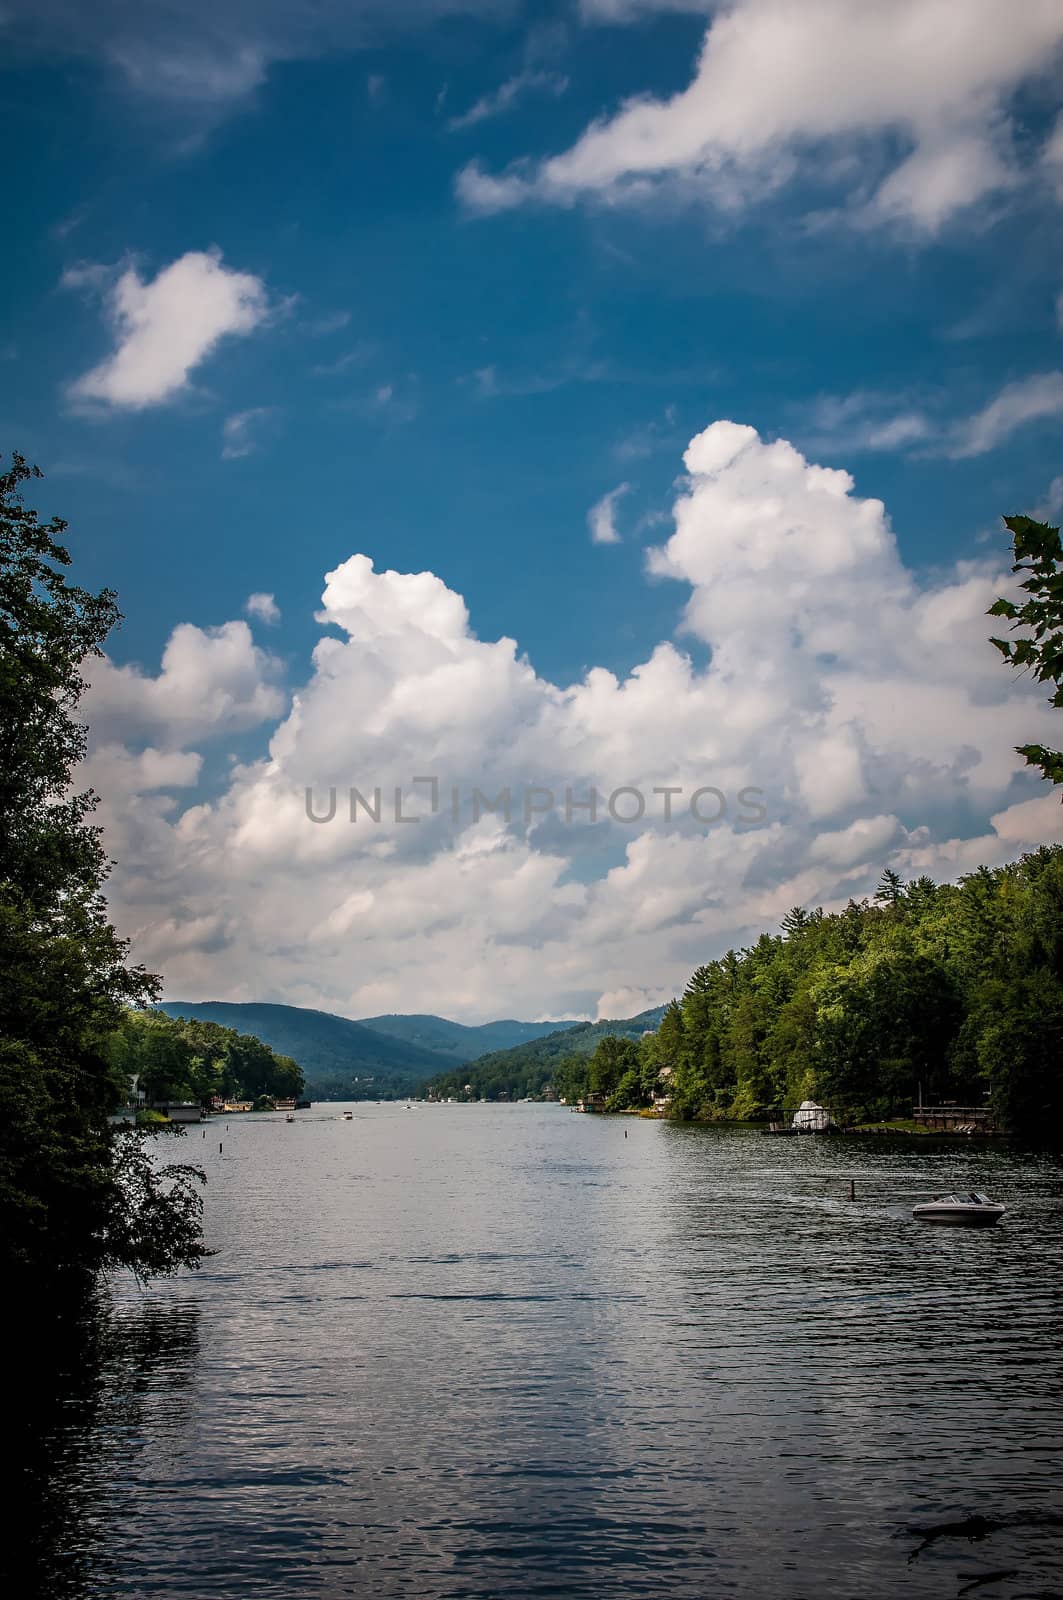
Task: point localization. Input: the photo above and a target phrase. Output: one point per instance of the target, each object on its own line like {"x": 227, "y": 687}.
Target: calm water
{"x": 508, "y": 1351}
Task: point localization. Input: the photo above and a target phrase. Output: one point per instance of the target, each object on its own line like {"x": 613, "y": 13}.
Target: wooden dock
{"x": 955, "y": 1119}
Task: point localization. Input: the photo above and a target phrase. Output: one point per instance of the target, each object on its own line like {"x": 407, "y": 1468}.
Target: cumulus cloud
{"x": 601, "y": 518}
{"x": 166, "y": 327}
{"x": 264, "y": 607}
{"x": 629, "y": 1002}
{"x": 212, "y": 680}
{"x": 865, "y": 705}
{"x": 778, "y": 86}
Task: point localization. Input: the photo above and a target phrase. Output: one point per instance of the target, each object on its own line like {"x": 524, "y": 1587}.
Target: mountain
{"x": 458, "y": 1042}
{"x": 528, "y": 1068}
{"x": 340, "y": 1058}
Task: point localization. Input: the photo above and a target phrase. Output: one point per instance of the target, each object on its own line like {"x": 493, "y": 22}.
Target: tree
{"x": 795, "y": 922}
{"x": 65, "y": 977}
{"x": 612, "y": 1059}
{"x": 1039, "y": 556}
{"x": 1019, "y": 1051}
{"x": 890, "y": 889}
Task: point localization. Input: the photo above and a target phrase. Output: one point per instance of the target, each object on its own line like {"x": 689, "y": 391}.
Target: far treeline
{"x": 951, "y": 990}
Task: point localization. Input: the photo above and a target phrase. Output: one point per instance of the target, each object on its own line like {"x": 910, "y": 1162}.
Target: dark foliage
{"x": 65, "y": 979}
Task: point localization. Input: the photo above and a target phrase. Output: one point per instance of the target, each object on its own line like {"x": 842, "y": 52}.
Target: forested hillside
{"x": 954, "y": 987}
{"x": 529, "y": 1068}
{"x": 340, "y": 1059}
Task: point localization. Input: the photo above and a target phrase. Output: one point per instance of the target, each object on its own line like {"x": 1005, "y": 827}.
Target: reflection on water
{"x": 99, "y": 1383}
{"x": 480, "y": 1352}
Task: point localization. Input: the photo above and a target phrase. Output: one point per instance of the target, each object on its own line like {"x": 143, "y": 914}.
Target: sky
{"x": 612, "y": 395}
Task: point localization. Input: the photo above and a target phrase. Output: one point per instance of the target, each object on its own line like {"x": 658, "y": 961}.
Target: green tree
{"x": 65, "y": 978}
{"x": 887, "y": 1024}
{"x": 612, "y": 1059}
{"x": 1020, "y": 1053}
{"x": 1039, "y": 620}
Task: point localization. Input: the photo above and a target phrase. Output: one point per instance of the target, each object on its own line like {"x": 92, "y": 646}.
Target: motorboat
{"x": 290, "y": 1117}
{"x": 348, "y": 1116}
{"x": 972, "y": 1210}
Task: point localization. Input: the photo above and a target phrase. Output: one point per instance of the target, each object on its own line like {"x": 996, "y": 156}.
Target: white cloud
{"x": 1051, "y": 504}
{"x": 190, "y": 75}
{"x": 212, "y": 680}
{"x": 866, "y": 422}
{"x": 264, "y": 607}
{"x": 357, "y": 357}
{"x": 329, "y": 322}
{"x": 394, "y": 403}
{"x": 867, "y": 705}
{"x": 1027, "y": 400}
{"x": 144, "y": 771}
{"x": 165, "y": 328}
{"x": 777, "y": 84}
{"x": 867, "y": 840}
{"x": 1031, "y": 822}
{"x": 1053, "y": 157}
{"x": 859, "y": 422}
{"x": 625, "y": 11}
{"x": 198, "y": 58}
{"x": 629, "y": 1002}
{"x": 240, "y": 432}
{"x": 601, "y": 518}
{"x": 508, "y": 94}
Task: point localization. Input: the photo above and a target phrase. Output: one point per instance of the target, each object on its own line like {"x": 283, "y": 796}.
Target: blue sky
{"x": 473, "y": 289}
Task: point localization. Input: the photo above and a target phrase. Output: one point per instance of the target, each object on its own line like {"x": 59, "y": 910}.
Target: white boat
{"x": 811, "y": 1118}
{"x": 290, "y": 1117}
{"x": 348, "y": 1116}
{"x": 971, "y": 1210}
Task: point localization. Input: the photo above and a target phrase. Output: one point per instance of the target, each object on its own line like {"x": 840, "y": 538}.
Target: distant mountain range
{"x": 458, "y": 1042}
{"x": 374, "y": 1059}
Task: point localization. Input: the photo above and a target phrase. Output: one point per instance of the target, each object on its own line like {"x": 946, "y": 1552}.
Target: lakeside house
{"x": 662, "y": 1091}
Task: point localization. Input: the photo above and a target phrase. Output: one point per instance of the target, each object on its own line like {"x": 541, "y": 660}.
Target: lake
{"x": 484, "y": 1351}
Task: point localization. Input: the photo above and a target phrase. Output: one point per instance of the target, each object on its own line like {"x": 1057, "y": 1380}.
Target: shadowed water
{"x": 507, "y": 1351}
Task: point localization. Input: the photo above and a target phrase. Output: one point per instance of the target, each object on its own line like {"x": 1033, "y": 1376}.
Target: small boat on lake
{"x": 348, "y": 1116}
{"x": 290, "y": 1117}
{"x": 971, "y": 1210}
